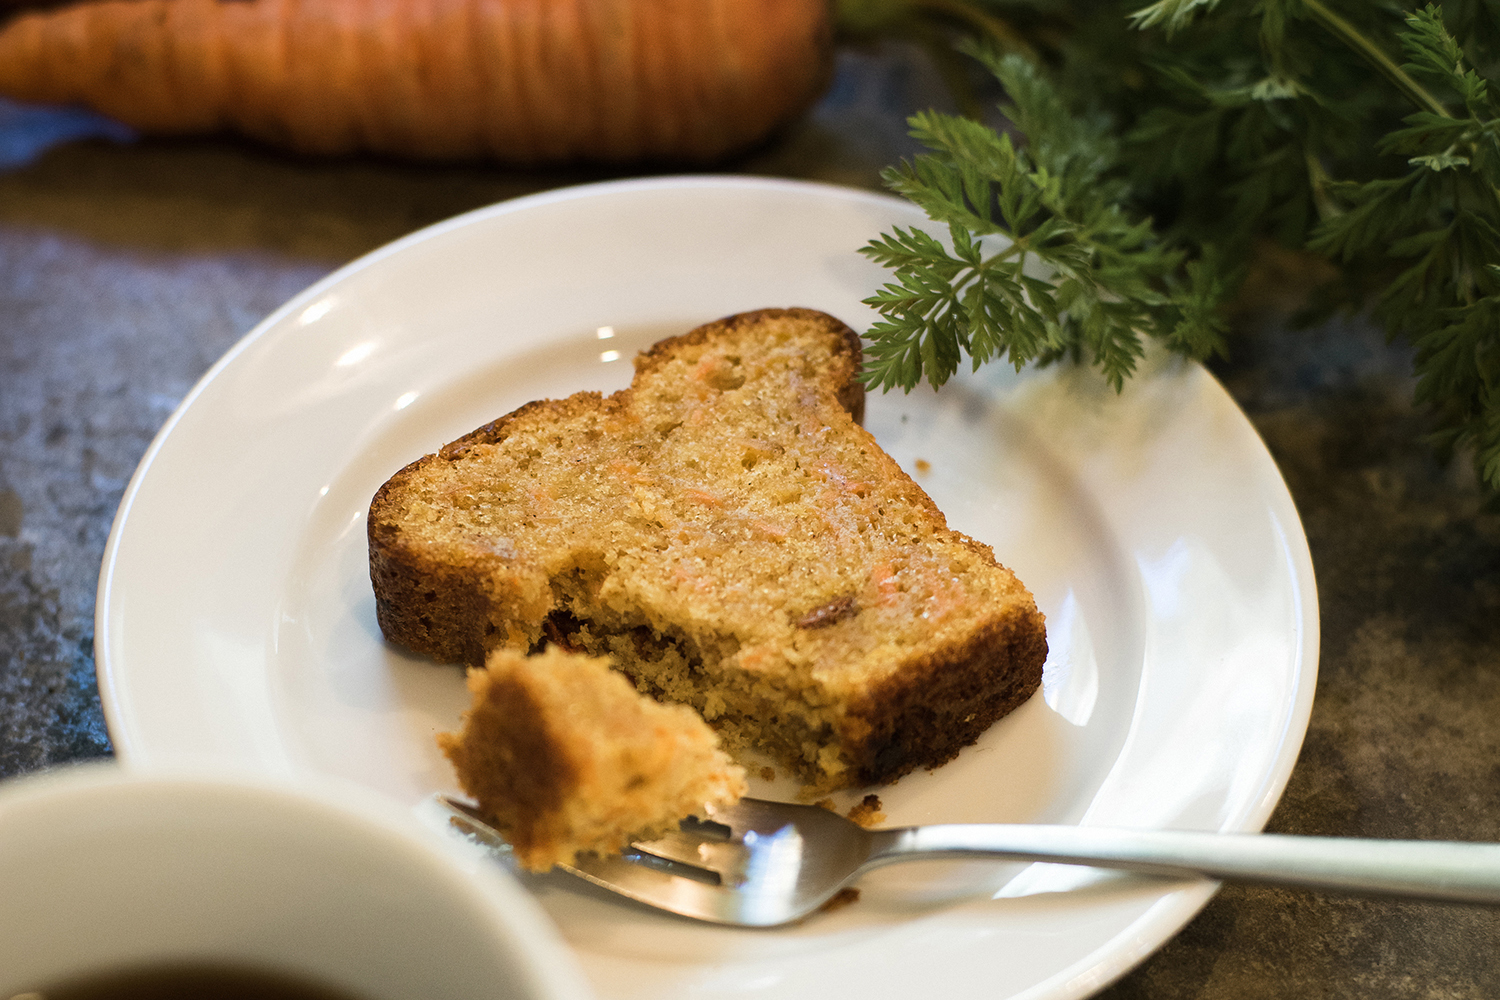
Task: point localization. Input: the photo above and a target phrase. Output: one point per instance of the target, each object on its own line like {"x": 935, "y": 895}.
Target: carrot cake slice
{"x": 730, "y": 535}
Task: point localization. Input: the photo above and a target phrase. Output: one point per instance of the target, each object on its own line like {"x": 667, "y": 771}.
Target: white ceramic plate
{"x": 235, "y": 620}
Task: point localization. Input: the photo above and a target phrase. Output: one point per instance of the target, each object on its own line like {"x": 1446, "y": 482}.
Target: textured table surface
{"x": 127, "y": 268}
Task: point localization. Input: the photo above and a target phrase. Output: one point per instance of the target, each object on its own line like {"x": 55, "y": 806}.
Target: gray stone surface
{"x": 127, "y": 268}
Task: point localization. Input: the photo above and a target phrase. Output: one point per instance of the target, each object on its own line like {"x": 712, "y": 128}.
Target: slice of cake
{"x": 731, "y": 536}
{"x": 566, "y": 757}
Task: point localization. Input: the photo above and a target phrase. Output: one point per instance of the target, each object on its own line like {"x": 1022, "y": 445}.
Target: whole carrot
{"x": 517, "y": 81}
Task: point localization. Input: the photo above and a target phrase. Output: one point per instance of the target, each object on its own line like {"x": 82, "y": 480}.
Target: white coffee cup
{"x": 101, "y": 869}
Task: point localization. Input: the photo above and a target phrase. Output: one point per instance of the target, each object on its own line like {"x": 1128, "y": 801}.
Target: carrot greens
{"x": 1147, "y": 155}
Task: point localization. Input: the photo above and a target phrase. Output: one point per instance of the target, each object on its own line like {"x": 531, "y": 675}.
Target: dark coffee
{"x": 189, "y": 982}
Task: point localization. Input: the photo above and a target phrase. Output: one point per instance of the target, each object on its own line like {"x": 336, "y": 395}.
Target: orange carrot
{"x": 767, "y": 530}
{"x": 883, "y": 580}
{"x": 704, "y": 497}
{"x": 517, "y": 81}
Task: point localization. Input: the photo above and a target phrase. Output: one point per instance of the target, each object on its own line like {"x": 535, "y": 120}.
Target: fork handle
{"x": 1437, "y": 870}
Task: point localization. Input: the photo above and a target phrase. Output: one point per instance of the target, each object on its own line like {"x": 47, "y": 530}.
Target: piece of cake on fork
{"x": 564, "y": 756}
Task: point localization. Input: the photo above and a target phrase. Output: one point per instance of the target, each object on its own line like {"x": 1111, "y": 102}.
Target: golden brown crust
{"x": 431, "y": 608}
{"x": 843, "y": 374}
{"x": 497, "y": 430}
{"x": 925, "y": 714}
{"x": 441, "y": 607}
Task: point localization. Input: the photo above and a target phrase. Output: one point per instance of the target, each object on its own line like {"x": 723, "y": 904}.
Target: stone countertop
{"x": 127, "y": 268}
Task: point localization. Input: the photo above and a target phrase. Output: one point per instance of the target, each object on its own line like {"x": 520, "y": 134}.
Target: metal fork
{"x": 762, "y": 864}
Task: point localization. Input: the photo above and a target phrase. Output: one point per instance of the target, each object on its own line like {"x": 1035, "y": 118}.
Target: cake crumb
{"x": 923, "y": 466}
{"x": 768, "y": 774}
{"x": 828, "y": 804}
{"x": 840, "y": 899}
{"x": 867, "y": 814}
